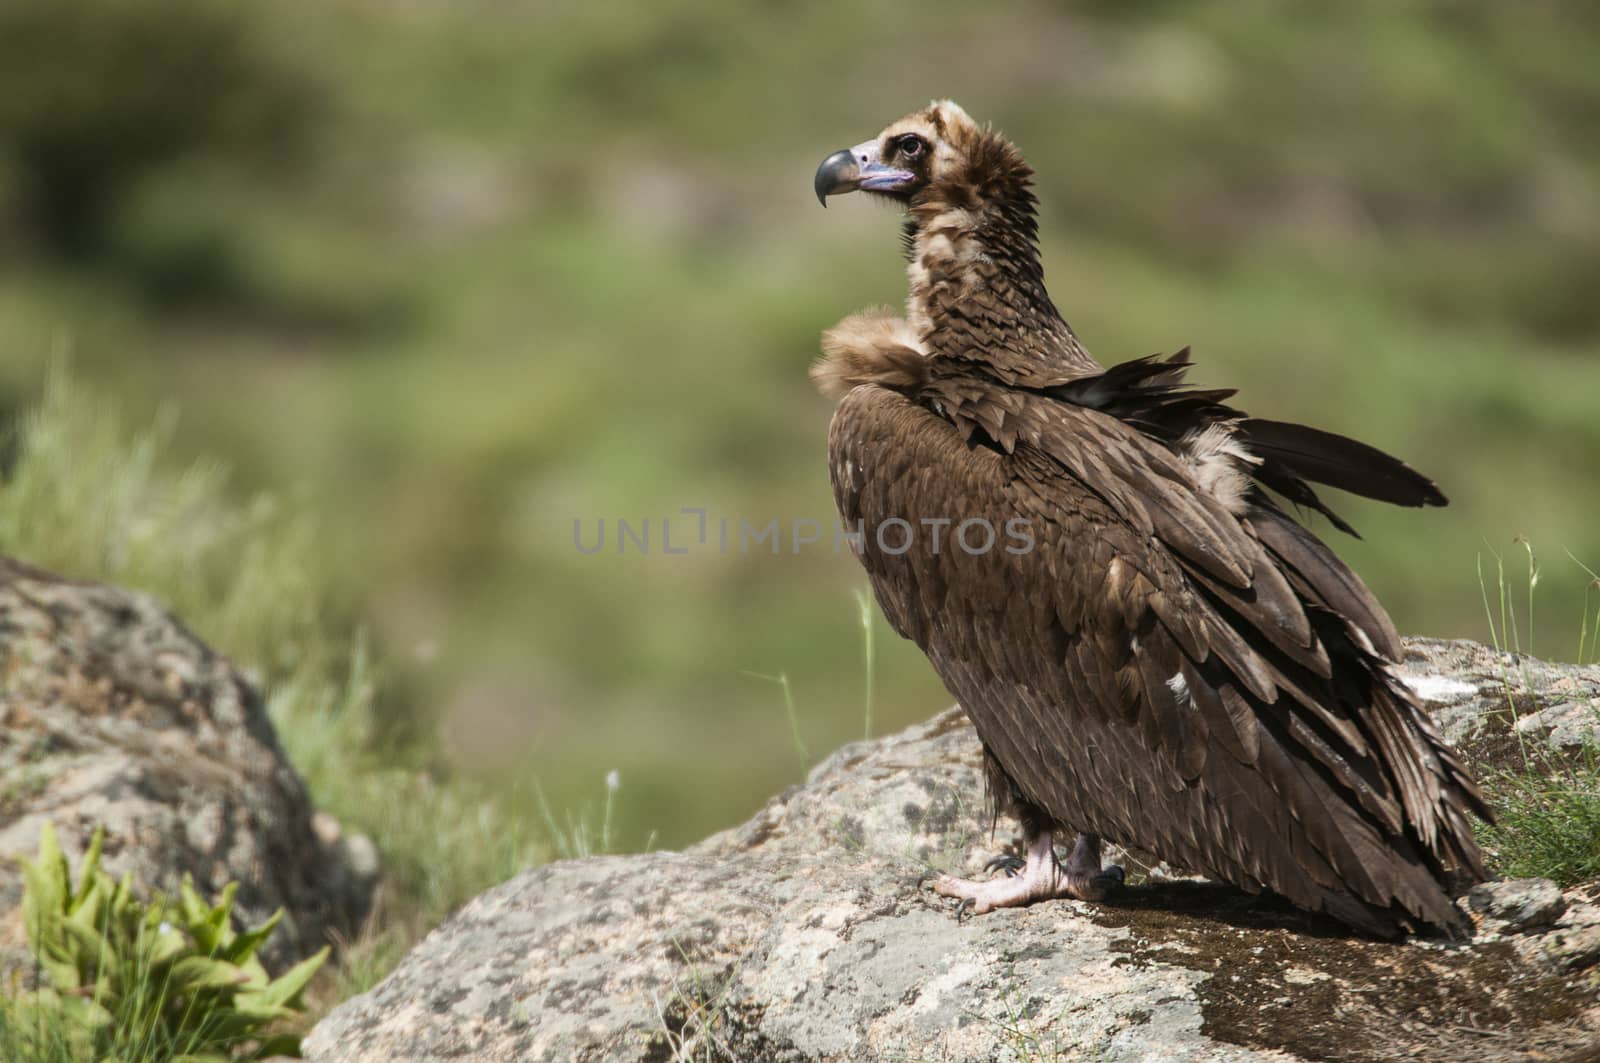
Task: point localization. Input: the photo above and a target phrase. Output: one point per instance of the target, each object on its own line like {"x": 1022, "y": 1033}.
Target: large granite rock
{"x": 112, "y": 714}
{"x": 809, "y": 934}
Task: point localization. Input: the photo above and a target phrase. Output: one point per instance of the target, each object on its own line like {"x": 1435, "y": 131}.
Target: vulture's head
{"x": 935, "y": 157}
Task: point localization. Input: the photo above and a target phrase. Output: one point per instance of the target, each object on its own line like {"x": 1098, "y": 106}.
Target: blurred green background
{"x": 451, "y": 276}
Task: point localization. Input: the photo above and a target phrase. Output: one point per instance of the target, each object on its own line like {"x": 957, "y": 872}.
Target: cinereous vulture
{"x": 1152, "y": 650}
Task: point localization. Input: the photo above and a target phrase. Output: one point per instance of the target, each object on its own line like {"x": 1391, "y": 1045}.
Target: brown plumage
{"x": 1171, "y": 662}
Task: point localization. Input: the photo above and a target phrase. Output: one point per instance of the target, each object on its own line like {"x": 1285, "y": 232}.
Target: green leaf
{"x": 86, "y": 1013}
{"x": 194, "y": 908}
{"x": 89, "y": 947}
{"x": 147, "y": 920}
{"x": 169, "y": 943}
{"x": 203, "y": 972}
{"x": 279, "y": 997}
{"x": 122, "y": 900}
{"x": 89, "y": 870}
{"x": 44, "y": 887}
{"x": 256, "y": 1011}
{"x": 257, "y": 973}
{"x": 219, "y": 928}
{"x": 87, "y": 906}
{"x": 42, "y": 1025}
{"x": 50, "y": 856}
{"x": 225, "y": 899}
{"x": 284, "y": 989}
{"x": 63, "y": 973}
{"x": 244, "y": 945}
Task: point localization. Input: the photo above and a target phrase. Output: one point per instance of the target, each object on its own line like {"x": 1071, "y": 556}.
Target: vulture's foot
{"x": 1041, "y": 878}
{"x": 1086, "y": 879}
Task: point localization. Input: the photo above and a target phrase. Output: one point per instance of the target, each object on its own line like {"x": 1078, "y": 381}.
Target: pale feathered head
{"x": 935, "y": 154}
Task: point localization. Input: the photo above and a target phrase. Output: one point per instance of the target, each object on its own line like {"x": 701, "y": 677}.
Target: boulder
{"x": 1519, "y": 903}
{"x": 112, "y": 714}
{"x": 809, "y": 933}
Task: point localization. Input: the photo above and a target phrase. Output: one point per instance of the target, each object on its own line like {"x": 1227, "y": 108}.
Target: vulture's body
{"x": 1150, "y": 649}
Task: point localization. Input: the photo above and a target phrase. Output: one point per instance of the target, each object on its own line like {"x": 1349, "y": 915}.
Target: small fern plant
{"x": 168, "y": 979}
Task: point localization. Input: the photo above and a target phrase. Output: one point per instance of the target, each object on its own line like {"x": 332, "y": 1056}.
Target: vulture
{"x": 1102, "y": 566}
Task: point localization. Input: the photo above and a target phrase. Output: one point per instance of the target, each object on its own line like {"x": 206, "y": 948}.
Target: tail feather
{"x": 1150, "y": 394}
{"x": 1339, "y": 461}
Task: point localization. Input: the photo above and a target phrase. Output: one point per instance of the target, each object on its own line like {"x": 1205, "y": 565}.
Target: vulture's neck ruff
{"x": 977, "y": 293}
{"x": 972, "y": 234}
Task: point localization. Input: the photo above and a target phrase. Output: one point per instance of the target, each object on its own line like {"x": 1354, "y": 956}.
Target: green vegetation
{"x": 1027, "y": 1027}
{"x": 1549, "y": 820}
{"x": 694, "y": 1019}
{"x": 1547, "y": 801}
{"x": 97, "y": 95}
{"x": 139, "y": 981}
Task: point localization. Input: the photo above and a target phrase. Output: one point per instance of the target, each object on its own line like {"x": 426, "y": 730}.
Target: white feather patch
{"x": 1220, "y": 464}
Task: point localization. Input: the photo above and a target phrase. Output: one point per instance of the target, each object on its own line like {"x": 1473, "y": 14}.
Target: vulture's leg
{"x": 1088, "y": 881}
{"x": 1041, "y": 878}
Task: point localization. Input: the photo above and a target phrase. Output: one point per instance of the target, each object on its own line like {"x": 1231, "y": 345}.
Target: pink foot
{"x": 1042, "y": 878}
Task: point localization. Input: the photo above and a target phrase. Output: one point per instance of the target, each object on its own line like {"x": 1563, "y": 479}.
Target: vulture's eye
{"x": 911, "y": 145}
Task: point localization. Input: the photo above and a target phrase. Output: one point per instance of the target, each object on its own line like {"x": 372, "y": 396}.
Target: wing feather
{"x": 1322, "y": 578}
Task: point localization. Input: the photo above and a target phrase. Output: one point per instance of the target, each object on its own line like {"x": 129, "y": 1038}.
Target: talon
{"x": 964, "y": 909}
{"x": 1011, "y": 865}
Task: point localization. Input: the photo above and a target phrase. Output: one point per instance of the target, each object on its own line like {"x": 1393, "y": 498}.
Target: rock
{"x": 112, "y": 714}
{"x": 1575, "y": 949}
{"x": 1564, "y": 725}
{"x": 1476, "y": 694}
{"x": 1519, "y": 904}
{"x": 809, "y": 934}
{"x": 1573, "y": 944}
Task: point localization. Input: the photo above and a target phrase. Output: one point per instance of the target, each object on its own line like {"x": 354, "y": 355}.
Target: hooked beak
{"x": 855, "y": 168}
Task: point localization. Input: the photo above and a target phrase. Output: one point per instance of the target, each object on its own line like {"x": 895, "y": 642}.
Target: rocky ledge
{"x": 809, "y": 934}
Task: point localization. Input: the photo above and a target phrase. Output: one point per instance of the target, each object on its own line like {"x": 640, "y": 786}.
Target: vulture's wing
{"x": 1145, "y": 664}
{"x": 1149, "y": 394}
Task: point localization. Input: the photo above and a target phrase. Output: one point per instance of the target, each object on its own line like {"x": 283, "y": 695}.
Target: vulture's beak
{"x": 859, "y": 167}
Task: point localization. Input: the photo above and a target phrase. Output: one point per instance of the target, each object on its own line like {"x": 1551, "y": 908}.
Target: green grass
{"x": 781, "y": 681}
{"x": 1025, "y": 1028}
{"x": 1547, "y": 802}
{"x": 867, "y": 610}
{"x": 694, "y": 1019}
{"x": 88, "y": 497}
{"x": 1549, "y": 820}
{"x": 91, "y": 498}
{"x": 48, "y": 1040}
